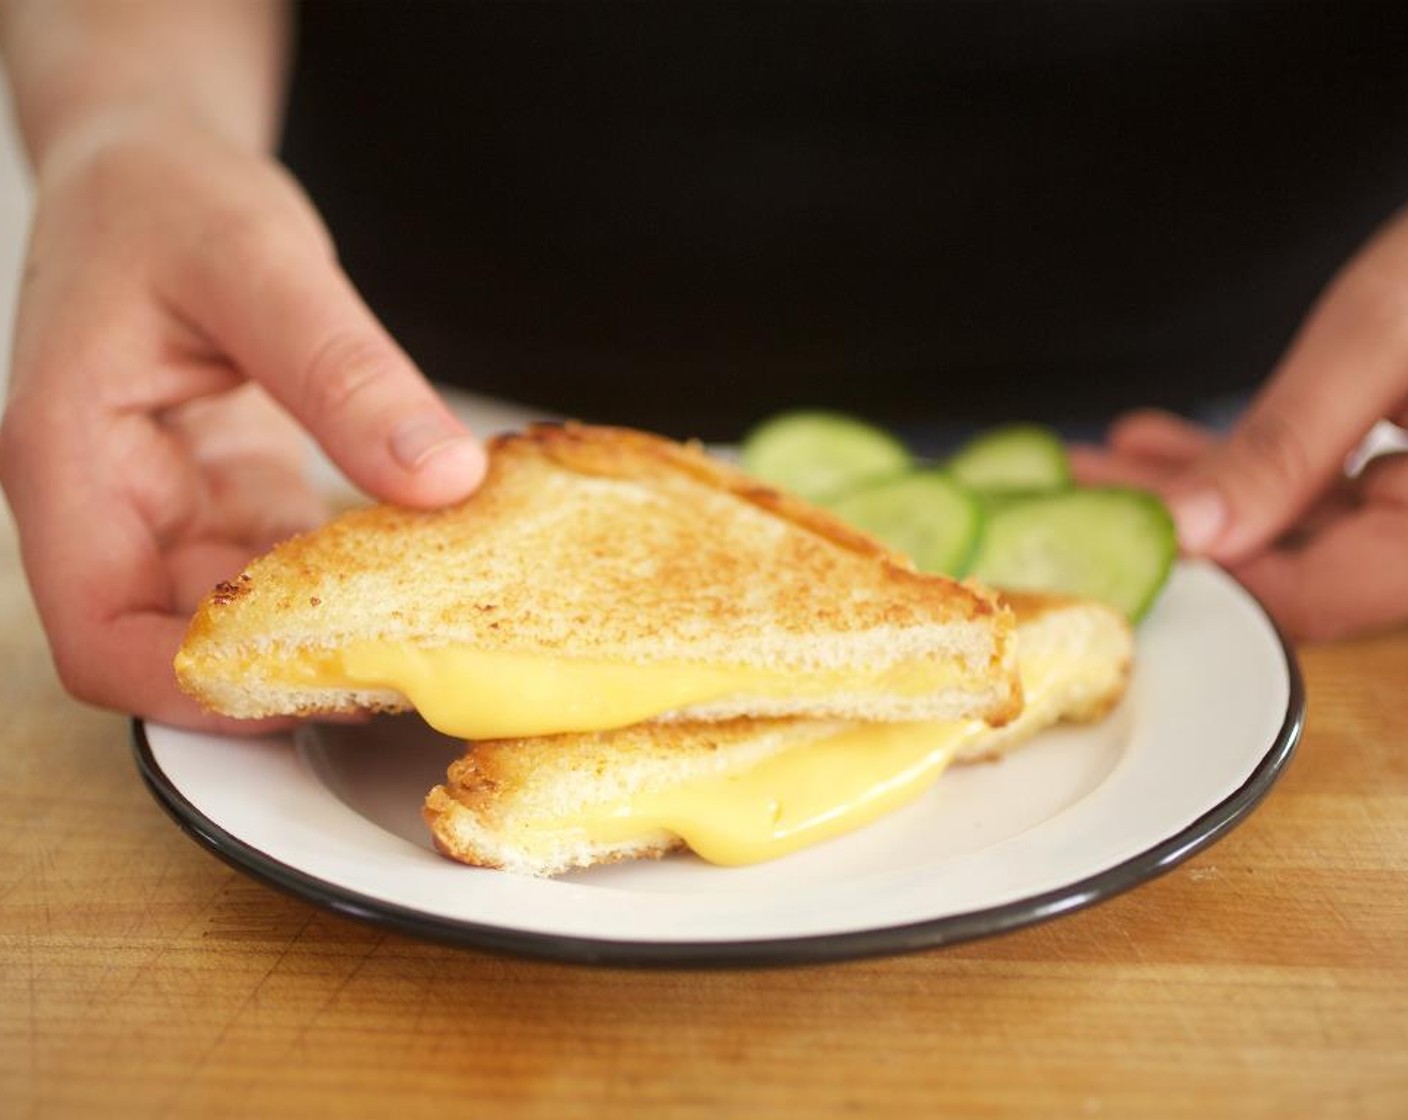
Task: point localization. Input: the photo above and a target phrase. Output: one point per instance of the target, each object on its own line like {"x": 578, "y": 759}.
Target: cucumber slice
{"x": 1014, "y": 457}
{"x": 994, "y": 500}
{"x": 1108, "y": 543}
{"x": 817, "y": 455}
{"x": 926, "y": 514}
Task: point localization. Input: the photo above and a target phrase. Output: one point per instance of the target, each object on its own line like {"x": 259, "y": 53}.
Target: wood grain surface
{"x": 139, "y": 976}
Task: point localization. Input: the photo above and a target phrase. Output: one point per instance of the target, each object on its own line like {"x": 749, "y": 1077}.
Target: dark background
{"x": 685, "y": 216}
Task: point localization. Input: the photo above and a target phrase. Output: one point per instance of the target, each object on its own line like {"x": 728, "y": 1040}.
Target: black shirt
{"x": 685, "y": 216}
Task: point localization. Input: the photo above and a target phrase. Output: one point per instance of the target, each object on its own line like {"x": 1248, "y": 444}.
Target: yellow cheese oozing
{"x": 477, "y": 694}
{"x": 815, "y": 790}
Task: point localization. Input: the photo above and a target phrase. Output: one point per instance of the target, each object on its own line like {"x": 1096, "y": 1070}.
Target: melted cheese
{"x": 475, "y": 694}
{"x": 812, "y": 791}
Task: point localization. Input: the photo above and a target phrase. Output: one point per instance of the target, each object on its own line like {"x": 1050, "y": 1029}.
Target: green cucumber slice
{"x": 1109, "y": 543}
{"x": 817, "y": 455}
{"x": 1014, "y": 457}
{"x": 994, "y": 500}
{"x": 926, "y": 514}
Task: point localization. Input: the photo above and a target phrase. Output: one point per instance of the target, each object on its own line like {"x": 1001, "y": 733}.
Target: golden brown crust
{"x": 1028, "y": 606}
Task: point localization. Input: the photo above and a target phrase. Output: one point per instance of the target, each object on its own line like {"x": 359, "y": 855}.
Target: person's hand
{"x": 1325, "y": 553}
{"x": 181, "y": 309}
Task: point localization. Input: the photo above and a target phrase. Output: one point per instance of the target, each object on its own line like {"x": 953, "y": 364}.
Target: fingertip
{"x": 1200, "y": 516}
{"x": 439, "y": 461}
{"x": 448, "y": 472}
{"x": 1130, "y": 430}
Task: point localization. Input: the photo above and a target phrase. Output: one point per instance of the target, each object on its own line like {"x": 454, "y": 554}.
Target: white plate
{"x": 1213, "y": 713}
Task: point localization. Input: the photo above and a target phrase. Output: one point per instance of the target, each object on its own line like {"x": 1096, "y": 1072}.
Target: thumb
{"x": 282, "y": 309}
{"x": 1346, "y": 370}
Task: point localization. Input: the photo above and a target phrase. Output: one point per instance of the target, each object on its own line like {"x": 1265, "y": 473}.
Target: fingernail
{"x": 455, "y": 467}
{"x": 423, "y": 438}
{"x": 1200, "y": 516}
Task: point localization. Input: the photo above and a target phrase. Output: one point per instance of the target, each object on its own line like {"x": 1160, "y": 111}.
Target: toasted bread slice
{"x": 599, "y": 577}
{"x": 751, "y": 789}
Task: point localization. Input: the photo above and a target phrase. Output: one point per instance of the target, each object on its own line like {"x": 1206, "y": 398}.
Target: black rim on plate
{"x": 810, "y": 949}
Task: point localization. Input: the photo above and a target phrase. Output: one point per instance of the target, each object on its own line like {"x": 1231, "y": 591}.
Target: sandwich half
{"x": 747, "y": 790}
{"x": 599, "y": 578}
